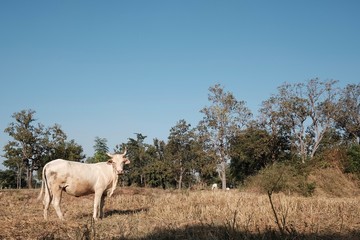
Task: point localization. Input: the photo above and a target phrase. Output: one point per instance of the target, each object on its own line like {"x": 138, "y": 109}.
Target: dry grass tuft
{"x": 136, "y": 213}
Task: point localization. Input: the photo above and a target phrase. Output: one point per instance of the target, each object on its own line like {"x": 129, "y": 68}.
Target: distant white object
{"x": 214, "y": 186}
{"x": 227, "y": 189}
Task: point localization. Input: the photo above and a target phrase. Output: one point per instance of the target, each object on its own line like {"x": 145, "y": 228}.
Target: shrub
{"x": 282, "y": 177}
{"x": 352, "y": 162}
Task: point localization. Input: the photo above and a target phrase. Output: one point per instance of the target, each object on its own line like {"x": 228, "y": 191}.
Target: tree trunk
{"x": 180, "y": 181}
{"x": 223, "y": 174}
{"x": 29, "y": 177}
{"x": 18, "y": 178}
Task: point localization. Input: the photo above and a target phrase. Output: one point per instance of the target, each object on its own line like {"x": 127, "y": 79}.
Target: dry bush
{"x": 281, "y": 177}
{"x": 136, "y": 213}
{"x": 332, "y": 182}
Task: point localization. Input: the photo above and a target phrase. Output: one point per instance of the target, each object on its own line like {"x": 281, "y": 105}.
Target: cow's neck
{"x": 114, "y": 181}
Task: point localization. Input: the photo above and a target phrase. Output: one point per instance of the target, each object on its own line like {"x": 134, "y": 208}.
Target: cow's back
{"x": 76, "y": 178}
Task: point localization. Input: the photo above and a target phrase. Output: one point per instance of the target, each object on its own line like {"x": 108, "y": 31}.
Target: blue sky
{"x": 115, "y": 68}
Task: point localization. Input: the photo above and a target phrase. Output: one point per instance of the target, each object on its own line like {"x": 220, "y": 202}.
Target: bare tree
{"x": 223, "y": 119}
{"x": 304, "y": 111}
{"x": 322, "y": 100}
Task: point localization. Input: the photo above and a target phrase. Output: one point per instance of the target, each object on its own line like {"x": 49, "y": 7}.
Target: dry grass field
{"x": 136, "y": 213}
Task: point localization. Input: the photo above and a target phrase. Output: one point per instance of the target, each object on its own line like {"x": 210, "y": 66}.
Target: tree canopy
{"x": 34, "y": 145}
{"x": 297, "y": 124}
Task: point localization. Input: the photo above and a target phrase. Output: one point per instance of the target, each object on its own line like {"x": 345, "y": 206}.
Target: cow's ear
{"x": 127, "y": 161}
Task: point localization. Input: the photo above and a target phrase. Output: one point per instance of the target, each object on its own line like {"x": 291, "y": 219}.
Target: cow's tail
{"x": 43, "y": 183}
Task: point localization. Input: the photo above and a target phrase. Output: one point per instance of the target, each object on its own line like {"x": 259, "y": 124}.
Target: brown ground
{"x": 137, "y": 213}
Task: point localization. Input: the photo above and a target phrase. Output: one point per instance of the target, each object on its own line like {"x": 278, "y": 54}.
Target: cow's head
{"x": 118, "y": 161}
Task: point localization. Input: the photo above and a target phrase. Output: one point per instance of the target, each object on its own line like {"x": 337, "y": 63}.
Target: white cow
{"x": 214, "y": 186}
{"x": 79, "y": 179}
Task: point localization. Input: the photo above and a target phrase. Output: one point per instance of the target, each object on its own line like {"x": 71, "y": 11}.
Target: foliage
{"x": 301, "y": 122}
{"x": 222, "y": 120}
{"x": 68, "y": 150}
{"x": 250, "y": 152}
{"x": 347, "y": 116}
{"x": 352, "y": 163}
{"x": 14, "y": 162}
{"x": 31, "y": 144}
{"x": 206, "y": 170}
{"x": 282, "y": 177}
{"x": 101, "y": 149}
{"x": 34, "y": 145}
{"x": 180, "y": 152}
{"x": 8, "y": 179}
{"x": 141, "y": 155}
{"x": 303, "y": 113}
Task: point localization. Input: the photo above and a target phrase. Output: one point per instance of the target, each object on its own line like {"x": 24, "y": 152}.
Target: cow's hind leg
{"x": 57, "y": 191}
{"x": 46, "y": 202}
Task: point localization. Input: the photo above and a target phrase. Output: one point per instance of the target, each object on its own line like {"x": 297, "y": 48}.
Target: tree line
{"x": 297, "y": 124}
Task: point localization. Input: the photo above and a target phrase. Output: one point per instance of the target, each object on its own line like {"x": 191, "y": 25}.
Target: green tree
{"x": 139, "y": 159}
{"x": 251, "y": 150}
{"x": 352, "y": 161}
{"x": 303, "y": 112}
{"x": 101, "y": 149}
{"x": 14, "y": 161}
{"x": 158, "y": 171}
{"x": 348, "y": 114}
{"x": 223, "y": 119}
{"x": 31, "y": 143}
{"x": 8, "y": 179}
{"x": 69, "y": 150}
{"x": 180, "y": 151}
{"x": 270, "y": 120}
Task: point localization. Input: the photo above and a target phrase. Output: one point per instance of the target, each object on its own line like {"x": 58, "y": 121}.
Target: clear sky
{"x": 115, "y": 68}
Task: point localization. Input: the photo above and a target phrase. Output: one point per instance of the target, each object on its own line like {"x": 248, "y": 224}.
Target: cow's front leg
{"x": 97, "y": 204}
{"x": 102, "y": 202}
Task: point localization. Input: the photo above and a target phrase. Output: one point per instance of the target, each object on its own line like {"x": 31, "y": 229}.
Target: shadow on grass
{"x": 200, "y": 232}
{"x": 124, "y": 212}
{"x": 117, "y": 212}
{"x": 204, "y": 232}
